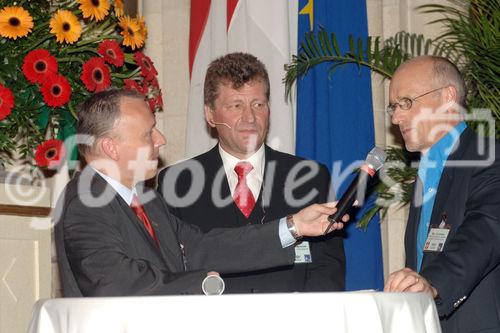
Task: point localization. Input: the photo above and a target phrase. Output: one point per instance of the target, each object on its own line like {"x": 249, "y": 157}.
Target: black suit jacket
{"x": 104, "y": 250}
{"x": 467, "y": 273}
{"x": 207, "y": 180}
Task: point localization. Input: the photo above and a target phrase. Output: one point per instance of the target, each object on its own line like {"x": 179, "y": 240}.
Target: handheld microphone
{"x": 356, "y": 190}
{"x": 213, "y": 285}
{"x": 223, "y": 124}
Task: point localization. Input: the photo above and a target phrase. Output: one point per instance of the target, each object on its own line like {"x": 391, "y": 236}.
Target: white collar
{"x": 124, "y": 192}
{"x": 257, "y": 160}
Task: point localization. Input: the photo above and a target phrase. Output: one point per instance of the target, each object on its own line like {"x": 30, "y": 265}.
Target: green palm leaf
{"x": 382, "y": 58}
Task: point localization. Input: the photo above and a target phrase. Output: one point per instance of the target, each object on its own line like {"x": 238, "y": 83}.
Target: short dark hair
{"x": 98, "y": 114}
{"x": 235, "y": 69}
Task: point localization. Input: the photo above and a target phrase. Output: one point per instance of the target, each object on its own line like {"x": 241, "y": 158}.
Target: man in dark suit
{"x": 452, "y": 237}
{"x": 116, "y": 238}
{"x": 204, "y": 191}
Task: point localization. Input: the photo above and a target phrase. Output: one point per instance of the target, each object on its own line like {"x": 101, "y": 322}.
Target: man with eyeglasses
{"x": 452, "y": 239}
{"x": 243, "y": 181}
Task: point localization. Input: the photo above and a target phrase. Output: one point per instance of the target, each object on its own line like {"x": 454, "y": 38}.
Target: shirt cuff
{"x": 286, "y": 237}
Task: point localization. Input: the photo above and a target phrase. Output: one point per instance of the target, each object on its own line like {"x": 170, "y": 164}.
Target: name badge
{"x": 437, "y": 236}
{"x": 303, "y": 253}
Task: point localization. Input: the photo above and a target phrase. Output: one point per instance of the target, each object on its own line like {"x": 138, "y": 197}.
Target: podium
{"x": 296, "y": 312}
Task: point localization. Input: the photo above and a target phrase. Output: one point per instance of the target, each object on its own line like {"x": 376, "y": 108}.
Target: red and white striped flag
{"x": 266, "y": 29}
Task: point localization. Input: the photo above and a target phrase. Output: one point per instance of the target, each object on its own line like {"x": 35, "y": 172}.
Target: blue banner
{"x": 335, "y": 126}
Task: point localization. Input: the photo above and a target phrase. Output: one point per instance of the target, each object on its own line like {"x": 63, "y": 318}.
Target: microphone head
{"x": 376, "y": 158}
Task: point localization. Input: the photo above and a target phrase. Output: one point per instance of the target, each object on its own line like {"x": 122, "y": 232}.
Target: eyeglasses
{"x": 406, "y": 103}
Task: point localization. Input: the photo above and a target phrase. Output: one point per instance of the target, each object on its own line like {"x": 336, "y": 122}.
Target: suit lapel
{"x": 169, "y": 245}
{"x": 271, "y": 196}
{"x": 412, "y": 226}
{"x": 448, "y": 181}
{"x": 136, "y": 222}
{"x": 214, "y": 167}
{"x": 449, "y": 174}
{"x": 100, "y": 187}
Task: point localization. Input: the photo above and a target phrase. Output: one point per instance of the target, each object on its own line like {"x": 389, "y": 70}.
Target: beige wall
{"x": 25, "y": 256}
{"x": 168, "y": 22}
{"x": 167, "y": 45}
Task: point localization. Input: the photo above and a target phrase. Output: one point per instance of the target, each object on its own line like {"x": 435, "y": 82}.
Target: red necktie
{"x": 243, "y": 197}
{"x": 141, "y": 214}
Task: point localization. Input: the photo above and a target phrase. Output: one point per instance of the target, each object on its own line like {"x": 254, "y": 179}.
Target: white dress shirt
{"x": 254, "y": 178}
{"x": 125, "y": 193}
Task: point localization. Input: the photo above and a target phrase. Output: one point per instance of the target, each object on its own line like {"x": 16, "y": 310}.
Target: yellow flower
{"x": 95, "y": 9}
{"x": 132, "y": 33}
{"x": 119, "y": 11}
{"x": 65, "y": 25}
{"x": 15, "y": 22}
{"x": 142, "y": 25}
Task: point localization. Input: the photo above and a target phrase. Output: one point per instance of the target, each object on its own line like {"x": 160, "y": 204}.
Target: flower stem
{"x": 82, "y": 49}
{"x": 70, "y": 59}
{"x": 126, "y": 76}
{"x": 36, "y": 45}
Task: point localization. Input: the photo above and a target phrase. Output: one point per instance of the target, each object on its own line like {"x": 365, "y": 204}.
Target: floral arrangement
{"x": 53, "y": 54}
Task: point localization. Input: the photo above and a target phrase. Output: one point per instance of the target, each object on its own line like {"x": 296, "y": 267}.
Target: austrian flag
{"x": 266, "y": 29}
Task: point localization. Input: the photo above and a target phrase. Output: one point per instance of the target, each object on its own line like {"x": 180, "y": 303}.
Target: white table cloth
{"x": 298, "y": 312}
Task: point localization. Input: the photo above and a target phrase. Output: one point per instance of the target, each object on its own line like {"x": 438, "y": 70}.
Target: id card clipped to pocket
{"x": 303, "y": 253}
{"x": 437, "y": 236}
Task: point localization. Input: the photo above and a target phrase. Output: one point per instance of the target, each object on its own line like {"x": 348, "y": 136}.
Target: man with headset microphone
{"x": 243, "y": 181}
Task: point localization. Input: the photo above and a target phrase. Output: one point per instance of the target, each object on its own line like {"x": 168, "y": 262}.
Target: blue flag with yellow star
{"x": 335, "y": 126}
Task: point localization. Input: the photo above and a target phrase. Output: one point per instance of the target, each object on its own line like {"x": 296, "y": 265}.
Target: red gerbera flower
{"x": 111, "y": 52}
{"x": 38, "y": 64}
{"x": 156, "y": 103}
{"x": 148, "y": 69}
{"x": 56, "y": 90}
{"x": 50, "y": 154}
{"x": 154, "y": 83}
{"x": 133, "y": 85}
{"x": 6, "y": 102}
{"x": 145, "y": 87}
{"x": 95, "y": 75}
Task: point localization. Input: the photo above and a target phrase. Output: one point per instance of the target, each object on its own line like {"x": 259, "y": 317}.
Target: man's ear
{"x": 450, "y": 94}
{"x": 209, "y": 116}
{"x": 109, "y": 148}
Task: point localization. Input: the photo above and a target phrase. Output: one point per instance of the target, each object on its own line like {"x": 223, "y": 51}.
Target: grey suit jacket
{"x": 104, "y": 250}
{"x": 467, "y": 272}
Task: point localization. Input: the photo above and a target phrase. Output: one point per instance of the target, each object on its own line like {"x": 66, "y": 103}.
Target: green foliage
{"x": 395, "y": 186}
{"x": 472, "y": 40}
{"x": 22, "y": 121}
{"x": 381, "y": 57}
